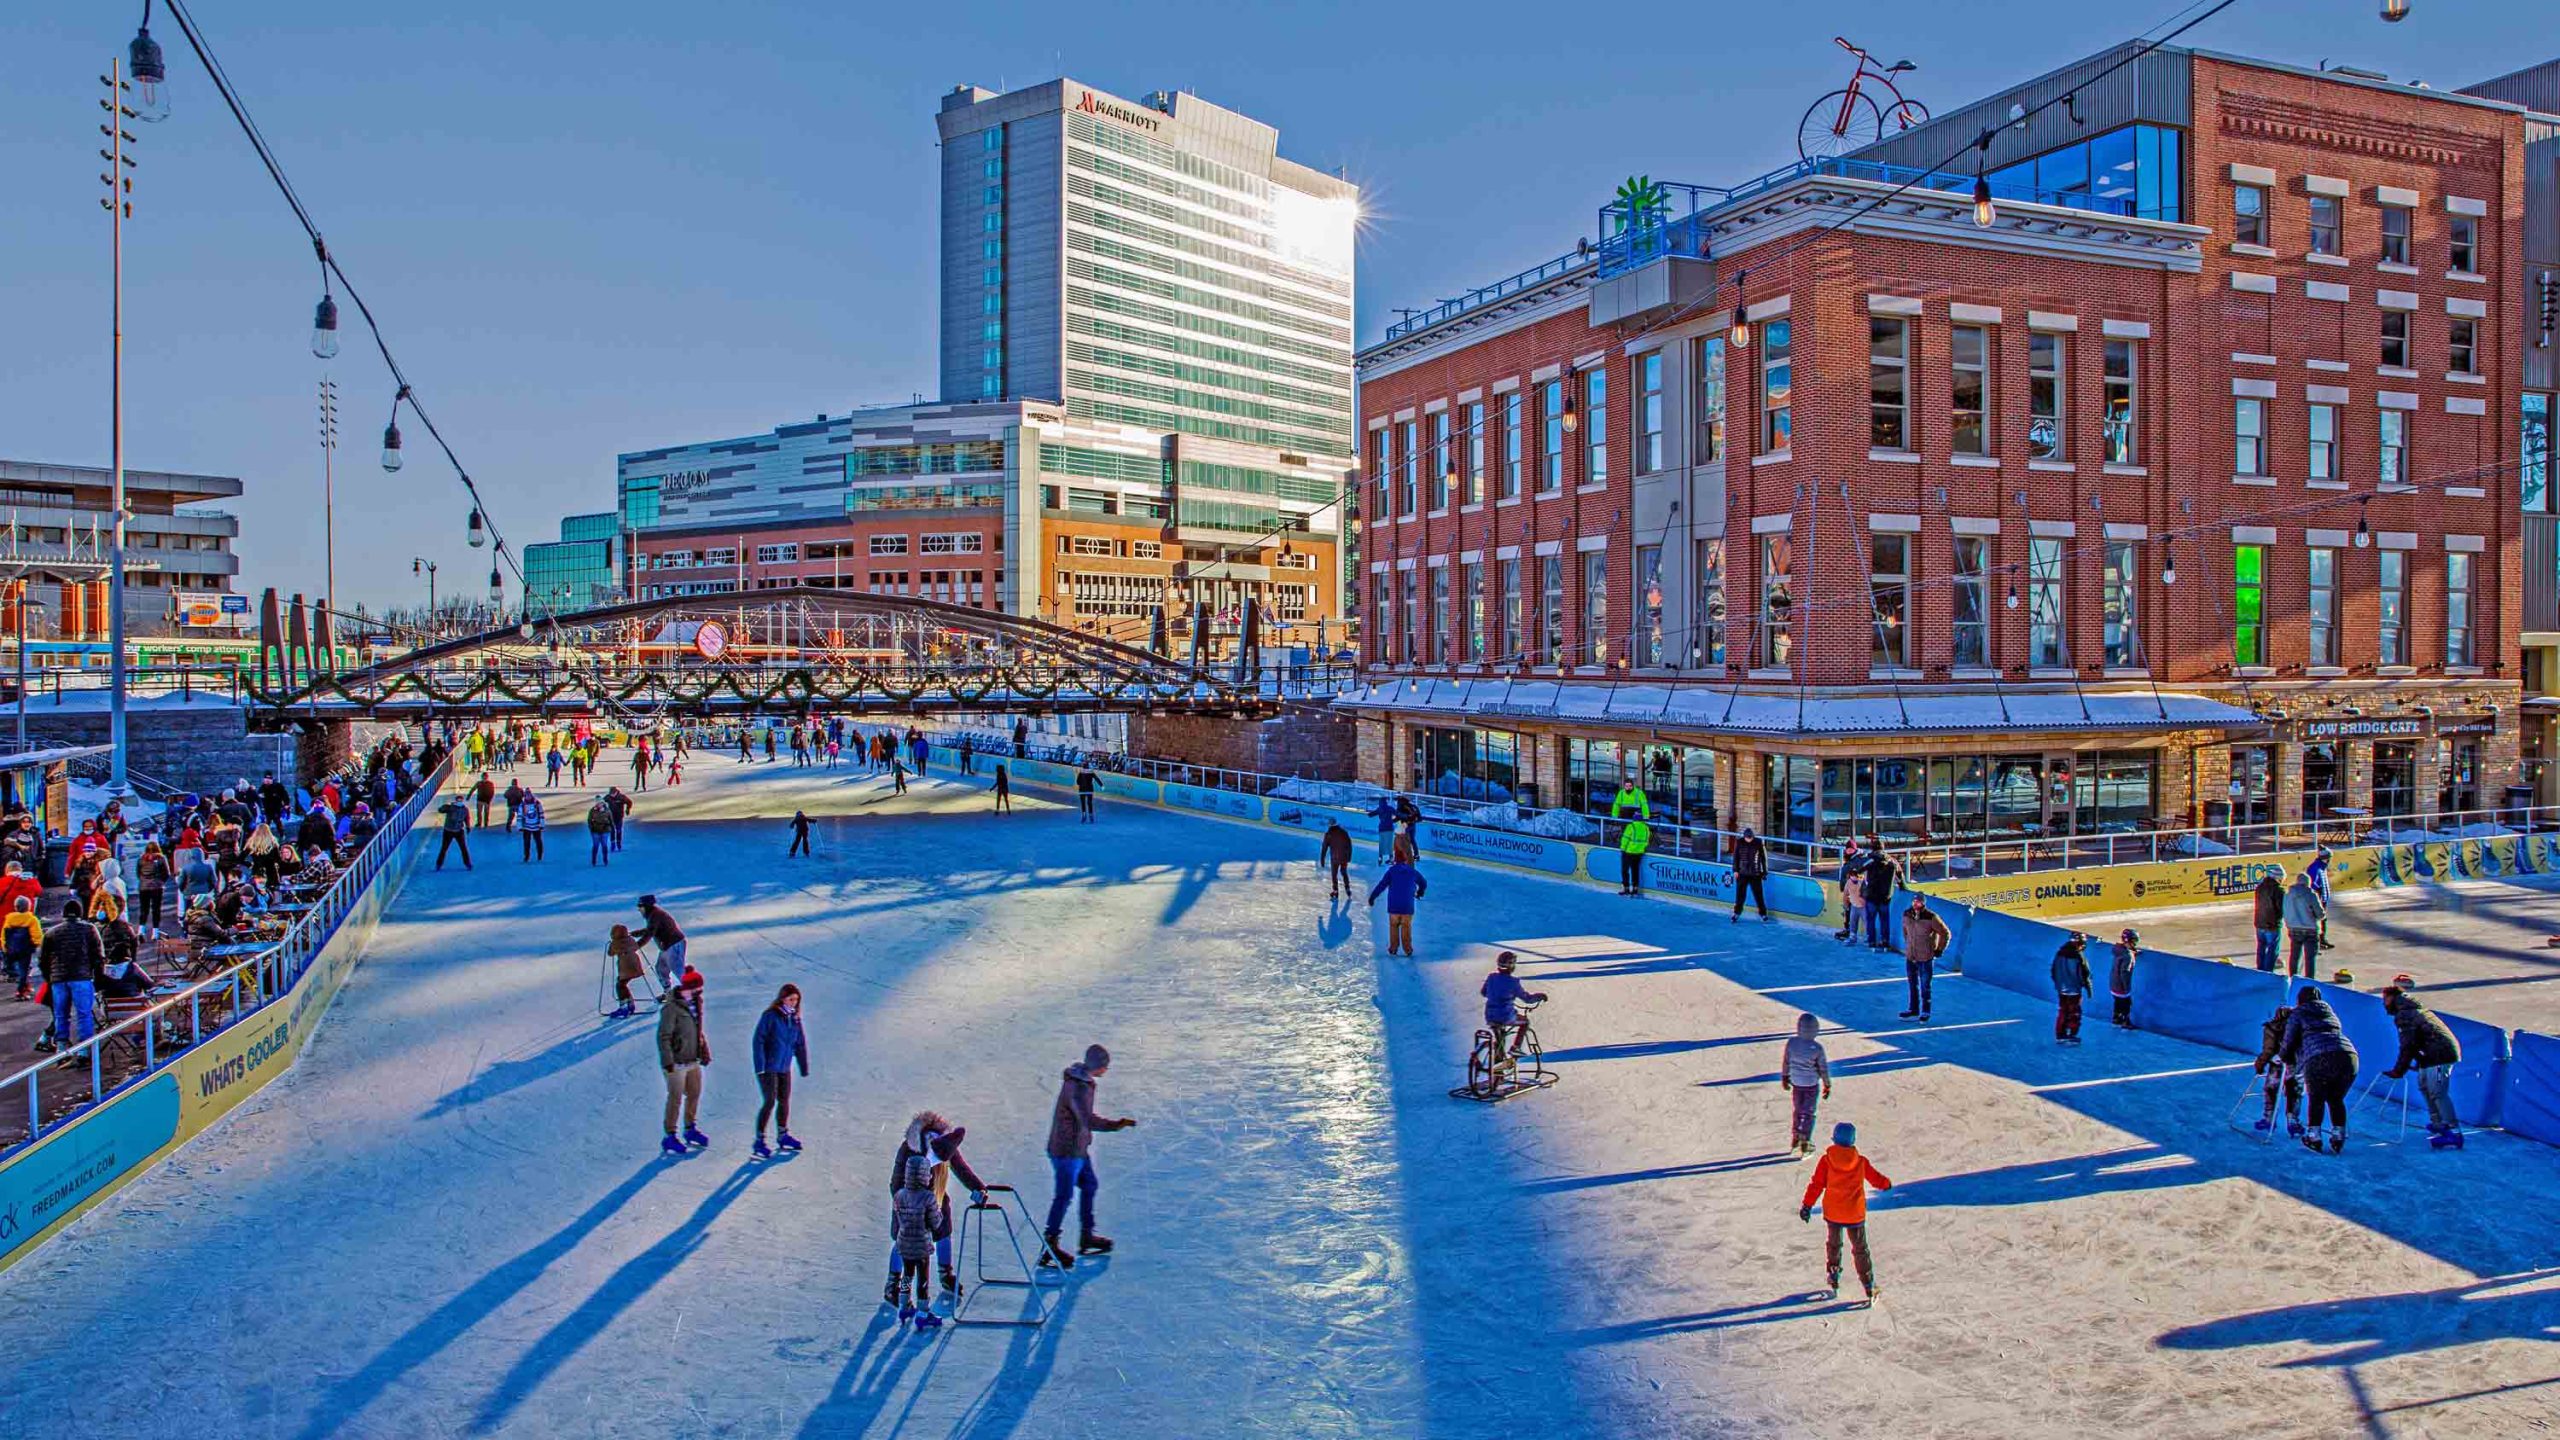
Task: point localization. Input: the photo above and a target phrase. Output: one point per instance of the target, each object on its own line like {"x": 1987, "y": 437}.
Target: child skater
{"x": 1805, "y": 1074}
{"x": 911, "y": 1220}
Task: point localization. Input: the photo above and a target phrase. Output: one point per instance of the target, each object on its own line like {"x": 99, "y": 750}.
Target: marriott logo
{"x": 1093, "y": 104}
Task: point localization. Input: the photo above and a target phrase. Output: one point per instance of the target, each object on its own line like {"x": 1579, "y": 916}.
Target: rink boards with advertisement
{"x": 2167, "y": 884}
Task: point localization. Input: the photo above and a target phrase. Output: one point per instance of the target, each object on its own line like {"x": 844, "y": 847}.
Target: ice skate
{"x": 2445, "y": 1140}
{"x": 2338, "y": 1140}
{"x": 1090, "y": 1243}
{"x": 889, "y": 1292}
{"x": 762, "y": 1150}
{"x": 951, "y": 1283}
{"x": 696, "y": 1138}
{"x": 672, "y": 1146}
{"x": 1054, "y": 1256}
{"x": 786, "y": 1140}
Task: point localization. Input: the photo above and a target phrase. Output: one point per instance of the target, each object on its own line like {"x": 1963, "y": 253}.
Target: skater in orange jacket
{"x": 1841, "y": 1178}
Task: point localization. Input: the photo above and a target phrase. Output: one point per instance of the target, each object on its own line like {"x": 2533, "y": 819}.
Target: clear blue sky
{"x": 591, "y": 228}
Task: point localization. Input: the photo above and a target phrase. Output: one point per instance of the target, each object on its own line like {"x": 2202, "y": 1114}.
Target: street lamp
{"x": 119, "y": 204}
{"x": 427, "y": 568}
{"x": 151, "y": 72}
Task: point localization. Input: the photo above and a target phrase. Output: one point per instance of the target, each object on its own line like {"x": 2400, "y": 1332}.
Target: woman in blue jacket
{"x": 779, "y": 1043}
{"x": 1402, "y": 885}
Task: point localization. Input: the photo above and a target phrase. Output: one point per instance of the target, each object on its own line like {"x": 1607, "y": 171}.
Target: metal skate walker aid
{"x": 973, "y": 1224}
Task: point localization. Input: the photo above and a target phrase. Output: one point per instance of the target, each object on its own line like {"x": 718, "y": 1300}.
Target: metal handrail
{"x": 1530, "y": 278}
{"x": 269, "y": 976}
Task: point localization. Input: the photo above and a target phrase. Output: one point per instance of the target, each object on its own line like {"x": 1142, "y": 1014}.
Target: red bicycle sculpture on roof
{"x": 1849, "y": 118}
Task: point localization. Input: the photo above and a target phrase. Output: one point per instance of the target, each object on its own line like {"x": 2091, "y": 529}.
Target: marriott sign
{"x": 1093, "y": 104}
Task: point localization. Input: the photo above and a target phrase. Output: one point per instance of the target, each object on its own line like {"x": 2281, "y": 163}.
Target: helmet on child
{"x": 1506, "y": 961}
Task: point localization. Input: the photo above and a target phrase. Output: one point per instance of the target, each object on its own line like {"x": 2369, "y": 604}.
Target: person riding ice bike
{"x": 1504, "y": 1014}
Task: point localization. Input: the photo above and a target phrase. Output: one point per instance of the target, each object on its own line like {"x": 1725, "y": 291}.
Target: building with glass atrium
{"x": 580, "y": 570}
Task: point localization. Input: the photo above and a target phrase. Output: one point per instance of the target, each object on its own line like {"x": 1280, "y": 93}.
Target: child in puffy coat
{"x": 1840, "y": 1180}
{"x": 2276, "y": 1075}
{"x": 20, "y": 934}
{"x": 912, "y": 1214}
{"x": 1805, "y": 1074}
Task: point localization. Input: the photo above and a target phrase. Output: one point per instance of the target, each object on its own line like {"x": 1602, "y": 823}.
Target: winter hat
{"x": 646, "y": 901}
{"x": 1506, "y": 960}
{"x": 1844, "y": 1133}
{"x": 690, "y": 980}
{"x": 1096, "y": 1058}
{"x": 2131, "y": 936}
{"x": 2307, "y": 992}
{"x": 919, "y": 1172}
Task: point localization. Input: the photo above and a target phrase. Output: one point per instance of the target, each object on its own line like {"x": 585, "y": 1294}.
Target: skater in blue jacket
{"x": 1503, "y": 993}
{"x": 779, "y": 1043}
{"x": 1402, "y": 885}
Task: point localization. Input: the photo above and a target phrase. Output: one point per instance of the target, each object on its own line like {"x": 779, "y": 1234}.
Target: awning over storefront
{"x": 1782, "y": 715}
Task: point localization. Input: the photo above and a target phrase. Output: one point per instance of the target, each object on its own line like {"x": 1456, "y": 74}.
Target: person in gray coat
{"x": 2304, "y": 911}
{"x": 2070, "y": 983}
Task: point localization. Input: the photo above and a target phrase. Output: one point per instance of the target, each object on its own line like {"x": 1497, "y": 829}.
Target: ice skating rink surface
{"x": 452, "y": 1218}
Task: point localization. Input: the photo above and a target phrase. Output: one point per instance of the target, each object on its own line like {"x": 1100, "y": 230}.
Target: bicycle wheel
{"x": 1910, "y": 113}
{"x": 1838, "y": 123}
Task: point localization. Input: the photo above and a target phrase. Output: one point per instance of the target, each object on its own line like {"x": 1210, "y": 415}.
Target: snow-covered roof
{"x": 40, "y": 755}
{"x": 1724, "y": 709}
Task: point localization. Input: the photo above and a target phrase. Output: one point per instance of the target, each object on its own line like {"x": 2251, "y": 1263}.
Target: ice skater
{"x": 2317, "y": 1045}
{"x": 1334, "y": 854}
{"x": 1085, "y": 784}
{"x": 1633, "y": 841}
{"x": 1841, "y": 1178}
{"x": 799, "y": 833}
{"x": 683, "y": 1052}
{"x": 529, "y": 822}
{"x": 2070, "y": 984}
{"x": 780, "y": 1043}
{"x": 1503, "y": 992}
{"x": 1402, "y": 885}
{"x": 659, "y": 927}
{"x": 1804, "y": 1072}
{"x": 2304, "y": 913}
{"x": 1750, "y": 874}
{"x": 911, "y": 1214}
{"x": 1004, "y": 791}
{"x": 2428, "y": 1046}
{"x": 1924, "y": 939}
{"x": 2128, "y": 950}
{"x": 600, "y": 832}
{"x": 936, "y": 1141}
{"x": 2276, "y": 1075}
{"x": 1384, "y": 812}
{"x": 457, "y": 832}
{"x": 623, "y": 949}
{"x": 1072, "y": 1123}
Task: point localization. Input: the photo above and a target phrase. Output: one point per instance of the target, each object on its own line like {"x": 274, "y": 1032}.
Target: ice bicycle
{"x": 1521, "y": 1067}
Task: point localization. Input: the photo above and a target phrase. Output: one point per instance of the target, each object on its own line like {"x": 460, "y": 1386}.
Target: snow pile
{"x": 89, "y": 801}
{"x": 1341, "y": 794}
{"x": 2416, "y": 835}
{"x": 1554, "y": 824}
{"x": 2198, "y": 845}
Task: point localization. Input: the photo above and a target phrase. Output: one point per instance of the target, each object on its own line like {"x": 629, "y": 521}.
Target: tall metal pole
{"x": 329, "y": 509}
{"x": 21, "y": 608}
{"x": 117, "y": 188}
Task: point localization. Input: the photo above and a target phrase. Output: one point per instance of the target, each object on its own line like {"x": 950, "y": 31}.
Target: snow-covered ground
{"x": 451, "y": 1218}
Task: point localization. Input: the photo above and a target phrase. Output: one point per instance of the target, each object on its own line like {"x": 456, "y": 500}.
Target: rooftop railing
{"x": 1482, "y": 295}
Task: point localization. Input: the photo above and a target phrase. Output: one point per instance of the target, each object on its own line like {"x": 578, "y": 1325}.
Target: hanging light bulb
{"x": 479, "y": 533}
{"x": 497, "y": 587}
{"x": 150, "y": 73}
{"x": 324, "y": 327}
{"x": 2393, "y": 11}
{"x": 391, "y": 446}
{"x": 1984, "y": 212}
{"x": 1738, "y": 332}
{"x": 1572, "y": 422}
{"x": 2169, "y": 561}
{"x": 2013, "y": 595}
{"x": 2364, "y": 533}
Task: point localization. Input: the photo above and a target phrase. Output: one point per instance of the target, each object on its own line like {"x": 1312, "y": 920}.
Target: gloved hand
{"x": 2393, "y": 1074}
{"x": 977, "y": 1197}
{"x": 1805, "y": 1214}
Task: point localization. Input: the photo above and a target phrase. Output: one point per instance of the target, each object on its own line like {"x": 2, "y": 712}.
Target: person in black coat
{"x": 1750, "y": 873}
{"x": 2317, "y": 1045}
{"x": 72, "y": 958}
{"x": 2427, "y": 1046}
{"x": 1881, "y": 874}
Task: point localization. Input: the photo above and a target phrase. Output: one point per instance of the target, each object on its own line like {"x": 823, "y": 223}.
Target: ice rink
{"x": 452, "y": 1217}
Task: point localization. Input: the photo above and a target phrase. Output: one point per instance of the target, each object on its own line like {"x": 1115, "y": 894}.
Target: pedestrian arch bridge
{"x": 768, "y": 651}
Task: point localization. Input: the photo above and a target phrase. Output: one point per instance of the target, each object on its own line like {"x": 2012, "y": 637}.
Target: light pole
{"x": 416, "y": 566}
{"x": 119, "y": 203}
{"x": 329, "y": 508}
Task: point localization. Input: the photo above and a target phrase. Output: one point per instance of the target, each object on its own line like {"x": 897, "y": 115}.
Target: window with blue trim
{"x": 2134, "y": 170}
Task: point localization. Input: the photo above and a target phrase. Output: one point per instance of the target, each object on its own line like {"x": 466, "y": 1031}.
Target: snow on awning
{"x": 1778, "y": 713}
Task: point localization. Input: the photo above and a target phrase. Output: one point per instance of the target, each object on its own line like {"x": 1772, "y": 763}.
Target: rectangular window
{"x": 1551, "y": 453}
{"x": 1595, "y": 607}
{"x": 2248, "y": 436}
{"x": 1409, "y": 490}
{"x": 888, "y": 544}
{"x": 2249, "y": 214}
{"x": 1972, "y": 601}
{"x": 1471, "y": 628}
{"x": 1969, "y": 354}
{"x": 777, "y": 554}
{"x": 2321, "y": 453}
{"x": 2322, "y": 609}
{"x": 1595, "y": 428}
{"x": 2123, "y": 618}
{"x": 2395, "y": 234}
{"x": 1706, "y": 627}
{"x": 2324, "y": 225}
{"x": 1506, "y": 642}
{"x": 1888, "y": 383}
{"x": 1889, "y": 598}
{"x": 1440, "y": 615}
{"x": 1381, "y": 620}
{"x": 2462, "y": 346}
{"x": 1710, "y": 401}
{"x": 1648, "y": 607}
{"x": 1475, "y": 453}
{"x": 1777, "y": 387}
{"x": 1777, "y": 601}
{"x": 2457, "y": 608}
{"x": 2391, "y": 447}
{"x": 1551, "y": 609}
{"x": 1513, "y": 455}
{"x": 2391, "y": 590}
{"x": 1441, "y": 461}
{"x": 2123, "y": 403}
{"x": 1648, "y": 416}
{"x": 1382, "y": 468}
{"x": 723, "y": 555}
{"x": 1410, "y": 584}
{"x": 2045, "y": 440}
{"x": 2395, "y": 339}
{"x": 2248, "y": 605}
{"x": 2395, "y": 778}
{"x": 2048, "y": 644}
{"x": 2463, "y": 256}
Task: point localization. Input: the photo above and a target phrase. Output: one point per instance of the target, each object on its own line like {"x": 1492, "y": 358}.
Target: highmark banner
{"x": 53, "y": 1183}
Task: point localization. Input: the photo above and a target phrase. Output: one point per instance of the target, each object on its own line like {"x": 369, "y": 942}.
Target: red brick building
{"x": 2186, "y": 484}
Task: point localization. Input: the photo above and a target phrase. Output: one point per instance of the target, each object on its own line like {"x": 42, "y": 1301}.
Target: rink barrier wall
{"x": 2222, "y": 1005}
{"x": 72, "y": 1168}
{"x": 2503, "y": 1078}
